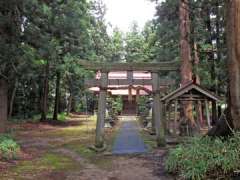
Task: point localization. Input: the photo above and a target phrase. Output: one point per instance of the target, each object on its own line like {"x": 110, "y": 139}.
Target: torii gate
{"x": 155, "y": 82}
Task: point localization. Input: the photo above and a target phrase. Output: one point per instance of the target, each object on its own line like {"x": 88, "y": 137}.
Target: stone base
{"x": 96, "y": 149}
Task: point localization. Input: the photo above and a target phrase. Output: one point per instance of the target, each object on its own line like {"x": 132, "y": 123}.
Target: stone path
{"x": 129, "y": 141}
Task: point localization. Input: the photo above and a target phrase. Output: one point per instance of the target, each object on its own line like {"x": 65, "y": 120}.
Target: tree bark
{"x": 185, "y": 54}
{"x": 70, "y": 98}
{"x": 3, "y": 104}
{"x": 44, "y": 98}
{"x": 186, "y": 66}
{"x": 57, "y": 96}
{"x": 69, "y": 105}
{"x": 209, "y": 41}
{"x": 218, "y": 45}
{"x": 12, "y": 98}
{"x": 196, "y": 64}
{"x": 233, "y": 42}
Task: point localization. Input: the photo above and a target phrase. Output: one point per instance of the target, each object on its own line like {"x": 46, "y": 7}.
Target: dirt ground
{"x": 62, "y": 153}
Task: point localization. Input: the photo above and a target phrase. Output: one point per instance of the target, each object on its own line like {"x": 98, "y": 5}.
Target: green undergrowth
{"x": 62, "y": 117}
{"x": 47, "y": 163}
{"x": 149, "y": 140}
{"x": 205, "y": 158}
{"x": 9, "y": 149}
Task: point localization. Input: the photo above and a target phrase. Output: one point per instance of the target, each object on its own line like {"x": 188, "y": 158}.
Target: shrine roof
{"x": 191, "y": 91}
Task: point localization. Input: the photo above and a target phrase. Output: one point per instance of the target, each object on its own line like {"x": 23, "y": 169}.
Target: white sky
{"x": 122, "y": 13}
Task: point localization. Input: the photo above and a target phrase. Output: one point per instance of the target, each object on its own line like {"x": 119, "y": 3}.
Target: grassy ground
{"x": 41, "y": 141}
{"x": 62, "y": 152}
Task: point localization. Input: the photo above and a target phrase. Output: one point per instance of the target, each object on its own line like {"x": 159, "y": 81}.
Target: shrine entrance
{"x": 129, "y": 107}
{"x": 134, "y": 86}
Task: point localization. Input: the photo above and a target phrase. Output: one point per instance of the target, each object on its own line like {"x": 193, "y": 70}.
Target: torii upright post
{"x": 158, "y": 110}
{"x": 101, "y": 110}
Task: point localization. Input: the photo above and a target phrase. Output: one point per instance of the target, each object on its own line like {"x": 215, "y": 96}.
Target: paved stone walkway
{"x": 129, "y": 141}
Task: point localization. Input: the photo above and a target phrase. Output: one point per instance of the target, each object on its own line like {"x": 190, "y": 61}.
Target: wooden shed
{"x": 197, "y": 94}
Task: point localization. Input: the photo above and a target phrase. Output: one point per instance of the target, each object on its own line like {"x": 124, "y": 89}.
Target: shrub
{"x": 143, "y": 106}
{"x": 8, "y": 148}
{"x": 62, "y": 116}
{"x": 202, "y": 158}
{"x": 114, "y": 106}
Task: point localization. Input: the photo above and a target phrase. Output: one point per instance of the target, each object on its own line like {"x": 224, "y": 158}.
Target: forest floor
{"x": 62, "y": 153}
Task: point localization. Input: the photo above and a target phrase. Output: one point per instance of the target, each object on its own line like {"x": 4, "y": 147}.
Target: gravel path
{"x": 129, "y": 141}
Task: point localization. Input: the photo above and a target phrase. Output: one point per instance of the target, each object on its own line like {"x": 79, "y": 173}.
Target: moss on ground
{"x": 47, "y": 163}
{"x": 98, "y": 159}
{"x": 81, "y": 149}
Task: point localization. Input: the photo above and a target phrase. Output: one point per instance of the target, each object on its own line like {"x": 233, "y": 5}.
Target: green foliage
{"x": 62, "y": 116}
{"x": 117, "y": 105}
{"x": 135, "y": 45}
{"x": 114, "y": 105}
{"x": 203, "y": 157}
{"x": 8, "y": 148}
{"x": 143, "y": 106}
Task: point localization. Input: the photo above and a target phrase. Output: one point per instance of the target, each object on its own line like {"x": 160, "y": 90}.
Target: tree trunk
{"x": 12, "y": 98}
{"x": 3, "y": 104}
{"x": 185, "y": 55}
{"x": 70, "y": 98}
{"x": 44, "y": 98}
{"x": 210, "y": 52}
{"x": 233, "y": 40}
{"x": 69, "y": 106}
{"x": 57, "y": 96}
{"x": 196, "y": 64}
{"x": 73, "y": 105}
{"x": 218, "y": 45}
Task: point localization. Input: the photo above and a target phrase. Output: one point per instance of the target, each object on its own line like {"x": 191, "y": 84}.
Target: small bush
{"x": 202, "y": 158}
{"x": 8, "y": 148}
{"x": 62, "y": 116}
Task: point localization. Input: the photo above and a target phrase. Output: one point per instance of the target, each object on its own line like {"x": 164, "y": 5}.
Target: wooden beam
{"x": 193, "y": 99}
{"x": 214, "y": 113}
{"x": 125, "y": 82}
{"x": 138, "y": 88}
{"x": 163, "y": 66}
{"x": 199, "y": 113}
{"x": 207, "y": 113}
{"x": 175, "y": 117}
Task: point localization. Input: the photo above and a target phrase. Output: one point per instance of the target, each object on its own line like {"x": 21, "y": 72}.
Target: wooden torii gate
{"x": 104, "y": 82}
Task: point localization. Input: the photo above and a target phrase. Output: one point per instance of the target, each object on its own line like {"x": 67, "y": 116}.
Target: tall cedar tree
{"x": 185, "y": 54}
{"x": 233, "y": 39}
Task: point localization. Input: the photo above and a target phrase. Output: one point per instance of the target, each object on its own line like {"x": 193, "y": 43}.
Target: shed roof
{"x": 191, "y": 91}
